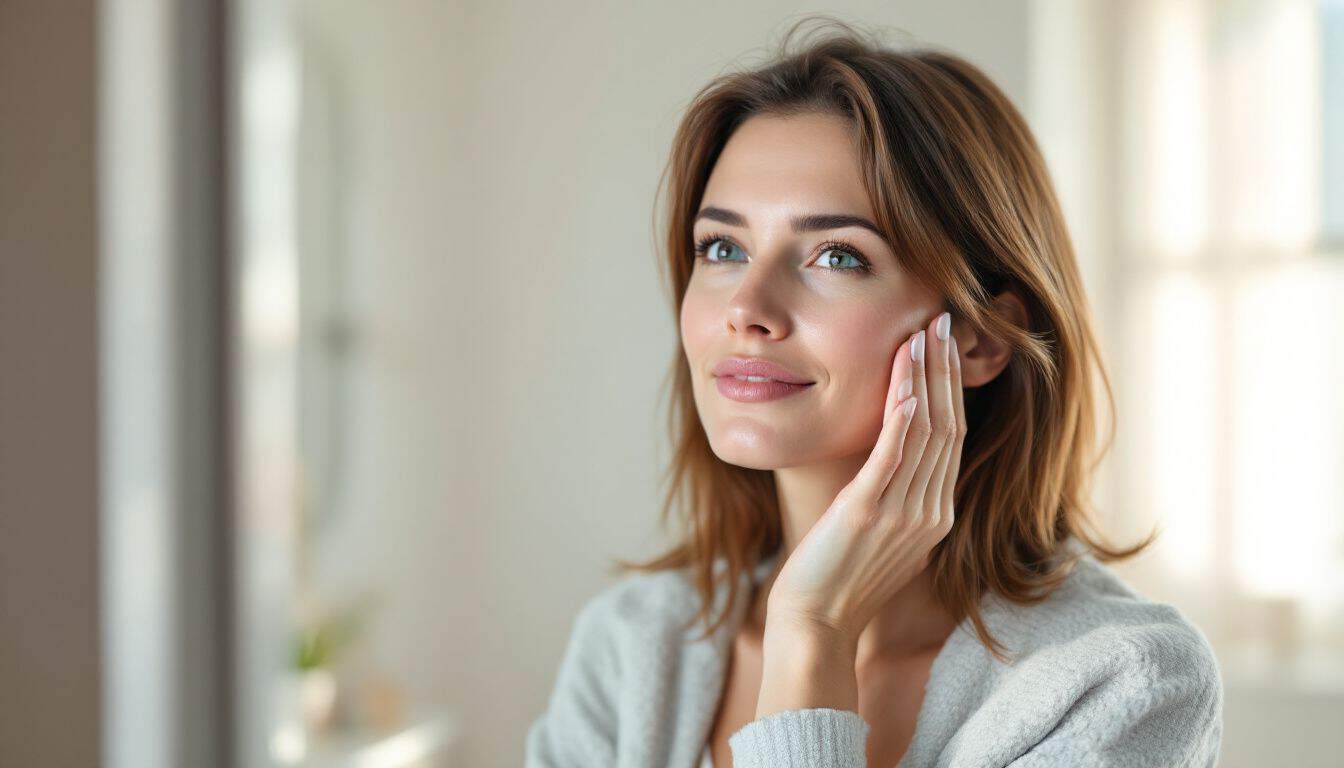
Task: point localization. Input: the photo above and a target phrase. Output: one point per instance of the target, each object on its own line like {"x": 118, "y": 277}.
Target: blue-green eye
{"x": 833, "y": 257}
{"x": 705, "y": 244}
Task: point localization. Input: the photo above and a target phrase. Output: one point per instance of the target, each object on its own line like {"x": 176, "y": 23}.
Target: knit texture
{"x": 1098, "y": 676}
{"x": 802, "y": 738}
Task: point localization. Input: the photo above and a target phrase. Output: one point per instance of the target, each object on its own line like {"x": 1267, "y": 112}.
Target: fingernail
{"x": 903, "y": 391}
{"x": 917, "y": 347}
{"x": 943, "y": 325}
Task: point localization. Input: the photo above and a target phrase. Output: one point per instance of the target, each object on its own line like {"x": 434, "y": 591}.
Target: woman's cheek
{"x": 860, "y": 350}
{"x": 693, "y": 327}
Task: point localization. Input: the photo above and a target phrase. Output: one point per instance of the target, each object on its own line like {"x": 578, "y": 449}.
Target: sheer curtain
{"x": 1199, "y": 151}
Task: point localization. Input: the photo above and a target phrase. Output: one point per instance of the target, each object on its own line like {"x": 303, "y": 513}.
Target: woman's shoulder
{"x": 1097, "y": 673}
{"x": 1097, "y": 625}
{"x": 1094, "y": 598}
{"x": 640, "y": 606}
{"x": 668, "y": 597}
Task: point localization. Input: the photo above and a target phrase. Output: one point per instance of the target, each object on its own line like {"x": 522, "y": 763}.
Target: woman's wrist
{"x": 806, "y": 667}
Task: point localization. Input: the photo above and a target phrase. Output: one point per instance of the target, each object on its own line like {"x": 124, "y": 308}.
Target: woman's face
{"x": 767, "y": 288}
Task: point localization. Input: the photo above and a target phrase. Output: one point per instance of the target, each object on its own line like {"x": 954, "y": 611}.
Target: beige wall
{"x": 495, "y": 170}
{"x": 49, "y": 607}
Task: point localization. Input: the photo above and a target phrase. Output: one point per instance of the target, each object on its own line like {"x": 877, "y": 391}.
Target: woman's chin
{"x": 753, "y": 451}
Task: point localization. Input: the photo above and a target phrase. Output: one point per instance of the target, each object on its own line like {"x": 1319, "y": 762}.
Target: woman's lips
{"x": 745, "y": 391}
{"x": 756, "y": 367}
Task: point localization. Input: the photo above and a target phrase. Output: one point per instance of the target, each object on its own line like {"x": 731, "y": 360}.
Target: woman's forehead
{"x": 778, "y": 167}
{"x": 806, "y": 145}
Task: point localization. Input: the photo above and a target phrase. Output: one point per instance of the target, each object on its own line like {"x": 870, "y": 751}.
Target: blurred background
{"x": 332, "y": 344}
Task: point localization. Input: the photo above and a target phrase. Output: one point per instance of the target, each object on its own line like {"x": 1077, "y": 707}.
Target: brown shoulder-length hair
{"x": 962, "y": 194}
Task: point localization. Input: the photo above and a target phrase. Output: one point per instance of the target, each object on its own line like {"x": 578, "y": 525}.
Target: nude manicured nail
{"x": 917, "y": 347}
{"x": 943, "y": 325}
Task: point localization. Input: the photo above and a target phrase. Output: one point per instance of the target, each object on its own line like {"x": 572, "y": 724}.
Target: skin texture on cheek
{"x": 857, "y": 344}
{"x": 858, "y": 350}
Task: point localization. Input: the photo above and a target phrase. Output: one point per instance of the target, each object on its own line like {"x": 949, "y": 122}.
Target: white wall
{"x": 491, "y": 176}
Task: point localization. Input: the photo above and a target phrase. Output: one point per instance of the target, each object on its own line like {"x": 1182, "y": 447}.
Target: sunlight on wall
{"x": 1287, "y": 439}
{"x": 1270, "y": 125}
{"x": 1229, "y": 302}
{"x": 1178, "y": 316}
{"x": 1169, "y": 79}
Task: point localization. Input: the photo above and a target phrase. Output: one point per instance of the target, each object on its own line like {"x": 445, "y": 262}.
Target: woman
{"x": 884, "y": 430}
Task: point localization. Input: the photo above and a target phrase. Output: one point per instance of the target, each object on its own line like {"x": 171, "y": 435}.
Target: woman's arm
{"x": 808, "y": 684}
{"x": 804, "y": 667}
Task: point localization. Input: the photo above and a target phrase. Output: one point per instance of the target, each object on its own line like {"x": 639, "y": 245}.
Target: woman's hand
{"x": 874, "y": 538}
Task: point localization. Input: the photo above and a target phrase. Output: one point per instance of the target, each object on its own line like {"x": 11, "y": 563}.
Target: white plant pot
{"x": 317, "y": 698}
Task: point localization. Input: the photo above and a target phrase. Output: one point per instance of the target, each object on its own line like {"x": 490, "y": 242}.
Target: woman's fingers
{"x": 944, "y": 419}
{"x": 876, "y": 472}
{"x": 938, "y": 407}
{"x": 917, "y": 433}
{"x": 912, "y": 469}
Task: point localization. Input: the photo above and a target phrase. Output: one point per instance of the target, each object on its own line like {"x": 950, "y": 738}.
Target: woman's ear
{"x": 982, "y": 357}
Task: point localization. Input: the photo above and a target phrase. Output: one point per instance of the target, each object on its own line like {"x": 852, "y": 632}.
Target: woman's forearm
{"x": 807, "y": 669}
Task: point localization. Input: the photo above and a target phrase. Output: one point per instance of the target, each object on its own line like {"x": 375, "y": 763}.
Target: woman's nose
{"x": 760, "y": 303}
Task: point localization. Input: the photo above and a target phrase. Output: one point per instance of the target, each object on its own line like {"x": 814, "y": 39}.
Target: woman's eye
{"x": 716, "y": 250}
{"x": 833, "y": 258}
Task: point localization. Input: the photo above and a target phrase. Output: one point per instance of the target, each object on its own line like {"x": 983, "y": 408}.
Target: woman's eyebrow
{"x": 811, "y": 222}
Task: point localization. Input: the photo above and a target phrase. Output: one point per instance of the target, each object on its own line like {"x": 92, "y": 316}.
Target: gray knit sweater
{"x": 1101, "y": 677}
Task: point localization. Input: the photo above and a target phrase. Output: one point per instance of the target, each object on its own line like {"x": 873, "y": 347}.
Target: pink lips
{"x": 782, "y": 382}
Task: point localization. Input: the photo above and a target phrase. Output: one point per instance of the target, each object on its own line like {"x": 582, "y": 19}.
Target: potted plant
{"x": 317, "y": 644}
